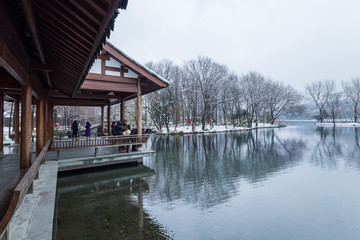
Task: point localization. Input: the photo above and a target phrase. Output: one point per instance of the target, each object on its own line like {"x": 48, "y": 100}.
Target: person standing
{"x": 126, "y": 128}
{"x": 75, "y": 129}
{"x": 113, "y": 128}
{"x": 88, "y": 130}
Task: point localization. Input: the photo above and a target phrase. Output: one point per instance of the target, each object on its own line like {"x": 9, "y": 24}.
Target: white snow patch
{"x": 217, "y": 128}
{"x": 339, "y": 124}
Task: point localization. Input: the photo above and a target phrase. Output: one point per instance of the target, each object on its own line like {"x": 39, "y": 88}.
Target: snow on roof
{"x": 139, "y": 65}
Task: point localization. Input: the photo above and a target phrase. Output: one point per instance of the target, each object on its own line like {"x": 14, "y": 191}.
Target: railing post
{"x": 31, "y": 188}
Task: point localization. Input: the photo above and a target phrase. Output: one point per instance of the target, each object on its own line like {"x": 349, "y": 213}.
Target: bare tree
{"x": 253, "y": 85}
{"x": 164, "y": 103}
{"x": 320, "y": 92}
{"x": 334, "y": 105}
{"x": 281, "y": 100}
{"x": 209, "y": 77}
{"x": 352, "y": 91}
{"x": 228, "y": 95}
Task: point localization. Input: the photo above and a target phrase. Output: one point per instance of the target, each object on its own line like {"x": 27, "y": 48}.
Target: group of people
{"x": 75, "y": 129}
{"x": 119, "y": 128}
{"x": 123, "y": 128}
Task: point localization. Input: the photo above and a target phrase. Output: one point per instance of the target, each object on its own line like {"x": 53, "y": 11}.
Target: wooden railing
{"x": 106, "y": 141}
{"x": 25, "y": 186}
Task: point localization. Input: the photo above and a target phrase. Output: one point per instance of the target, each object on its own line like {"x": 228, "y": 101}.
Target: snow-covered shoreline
{"x": 338, "y": 124}
{"x": 217, "y": 128}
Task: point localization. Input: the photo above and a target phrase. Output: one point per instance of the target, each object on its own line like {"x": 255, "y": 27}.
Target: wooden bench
{"x": 24, "y": 187}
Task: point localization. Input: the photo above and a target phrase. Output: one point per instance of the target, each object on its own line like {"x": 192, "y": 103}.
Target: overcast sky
{"x": 293, "y": 41}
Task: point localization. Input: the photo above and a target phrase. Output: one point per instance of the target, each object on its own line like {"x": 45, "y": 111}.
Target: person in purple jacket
{"x": 88, "y": 131}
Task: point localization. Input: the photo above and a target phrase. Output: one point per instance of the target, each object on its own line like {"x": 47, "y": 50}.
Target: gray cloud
{"x": 291, "y": 41}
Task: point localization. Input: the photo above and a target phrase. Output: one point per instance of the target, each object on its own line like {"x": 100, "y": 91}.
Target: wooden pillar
{"x": 122, "y": 109}
{"x": 44, "y": 118}
{"x": 25, "y": 143}
{"x": 109, "y": 119}
{"x": 17, "y": 122}
{"x": 139, "y": 126}
{"x": 2, "y": 122}
{"x": 51, "y": 118}
{"x": 47, "y": 120}
{"x": 39, "y": 129}
{"x": 102, "y": 120}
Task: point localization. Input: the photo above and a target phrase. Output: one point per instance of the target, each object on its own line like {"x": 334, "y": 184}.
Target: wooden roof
{"x": 52, "y": 43}
{"x": 113, "y": 83}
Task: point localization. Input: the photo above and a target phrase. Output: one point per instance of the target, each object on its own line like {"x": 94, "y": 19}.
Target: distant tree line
{"x": 334, "y": 103}
{"x": 204, "y": 92}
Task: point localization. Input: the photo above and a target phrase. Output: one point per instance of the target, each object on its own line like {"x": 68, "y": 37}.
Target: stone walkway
{"x": 33, "y": 220}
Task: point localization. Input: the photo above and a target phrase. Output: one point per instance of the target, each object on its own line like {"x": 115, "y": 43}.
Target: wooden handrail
{"x": 98, "y": 142}
{"x": 23, "y": 188}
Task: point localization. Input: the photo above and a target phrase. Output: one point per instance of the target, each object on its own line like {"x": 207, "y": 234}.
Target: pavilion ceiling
{"x": 52, "y": 43}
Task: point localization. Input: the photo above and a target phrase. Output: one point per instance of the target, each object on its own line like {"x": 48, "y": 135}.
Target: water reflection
{"x": 291, "y": 183}
{"x": 205, "y": 170}
{"x": 106, "y": 205}
{"x": 335, "y": 145}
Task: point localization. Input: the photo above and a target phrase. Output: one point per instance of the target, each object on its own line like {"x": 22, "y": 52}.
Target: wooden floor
{"x": 10, "y": 176}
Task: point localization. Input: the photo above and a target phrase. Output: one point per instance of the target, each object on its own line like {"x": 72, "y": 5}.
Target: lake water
{"x": 299, "y": 182}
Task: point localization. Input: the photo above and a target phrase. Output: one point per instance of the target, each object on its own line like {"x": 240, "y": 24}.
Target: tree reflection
{"x": 206, "y": 170}
{"x": 335, "y": 144}
{"x": 106, "y": 205}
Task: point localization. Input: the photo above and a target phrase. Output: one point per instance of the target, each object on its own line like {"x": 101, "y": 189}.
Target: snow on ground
{"x": 339, "y": 124}
{"x": 7, "y": 140}
{"x": 217, "y": 128}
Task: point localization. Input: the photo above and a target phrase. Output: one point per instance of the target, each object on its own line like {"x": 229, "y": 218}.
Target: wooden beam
{"x": 108, "y": 78}
{"x": 36, "y": 66}
{"x": 26, "y": 128}
{"x": 16, "y": 122}
{"x": 61, "y": 24}
{"x": 31, "y": 21}
{"x": 36, "y": 87}
{"x": 134, "y": 67}
{"x": 104, "y": 24}
{"x": 77, "y": 102}
{"x": 108, "y": 86}
{"x": 2, "y": 122}
{"x": 96, "y": 7}
{"x": 91, "y": 27}
{"x": 66, "y": 33}
{"x": 84, "y": 95}
{"x": 138, "y": 109}
{"x": 9, "y": 62}
{"x": 63, "y": 16}
{"x": 87, "y": 14}
{"x": 9, "y": 83}
{"x": 62, "y": 41}
{"x": 13, "y": 55}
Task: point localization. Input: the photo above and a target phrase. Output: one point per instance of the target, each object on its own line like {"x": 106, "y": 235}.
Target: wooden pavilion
{"x": 46, "y": 51}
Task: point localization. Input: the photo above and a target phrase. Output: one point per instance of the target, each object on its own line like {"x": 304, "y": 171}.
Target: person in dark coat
{"x": 88, "y": 129}
{"x": 113, "y": 128}
{"x": 117, "y": 129}
{"x": 126, "y": 128}
{"x": 75, "y": 129}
